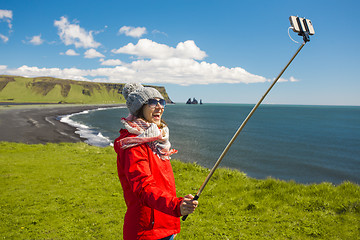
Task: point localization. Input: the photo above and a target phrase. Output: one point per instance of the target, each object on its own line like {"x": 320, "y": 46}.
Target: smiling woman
{"x": 154, "y": 110}
{"x": 145, "y": 172}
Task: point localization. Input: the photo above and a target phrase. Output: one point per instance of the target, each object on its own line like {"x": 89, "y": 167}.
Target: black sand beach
{"x": 38, "y": 124}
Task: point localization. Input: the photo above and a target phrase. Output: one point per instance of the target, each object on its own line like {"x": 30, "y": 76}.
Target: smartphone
{"x": 310, "y": 27}
{"x": 294, "y": 23}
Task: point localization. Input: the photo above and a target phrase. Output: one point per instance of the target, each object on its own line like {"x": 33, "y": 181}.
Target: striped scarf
{"x": 149, "y": 133}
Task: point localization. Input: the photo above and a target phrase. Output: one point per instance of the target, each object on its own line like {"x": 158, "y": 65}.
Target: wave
{"x": 92, "y": 135}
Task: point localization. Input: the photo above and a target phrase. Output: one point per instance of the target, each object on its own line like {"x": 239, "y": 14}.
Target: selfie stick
{"x": 306, "y": 39}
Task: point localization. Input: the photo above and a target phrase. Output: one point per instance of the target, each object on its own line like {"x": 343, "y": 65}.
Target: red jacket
{"x": 153, "y": 210}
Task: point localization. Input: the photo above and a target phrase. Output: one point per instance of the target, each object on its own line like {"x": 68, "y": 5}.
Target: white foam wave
{"x": 93, "y": 136}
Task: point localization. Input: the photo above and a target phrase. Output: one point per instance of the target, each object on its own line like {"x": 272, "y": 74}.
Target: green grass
{"x": 71, "y": 191}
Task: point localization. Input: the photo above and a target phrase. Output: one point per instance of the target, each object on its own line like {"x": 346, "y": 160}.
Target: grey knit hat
{"x": 136, "y": 95}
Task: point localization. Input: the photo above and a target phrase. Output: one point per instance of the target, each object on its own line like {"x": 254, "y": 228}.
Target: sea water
{"x": 308, "y": 144}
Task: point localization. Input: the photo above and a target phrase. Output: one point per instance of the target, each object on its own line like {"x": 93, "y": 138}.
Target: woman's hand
{"x": 188, "y": 205}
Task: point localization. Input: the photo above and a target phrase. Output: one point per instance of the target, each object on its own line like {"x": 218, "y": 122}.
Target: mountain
{"x": 18, "y": 89}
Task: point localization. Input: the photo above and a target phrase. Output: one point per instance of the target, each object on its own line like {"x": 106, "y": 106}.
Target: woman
{"x": 143, "y": 153}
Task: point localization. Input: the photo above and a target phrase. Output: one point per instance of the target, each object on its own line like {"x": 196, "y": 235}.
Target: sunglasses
{"x": 153, "y": 103}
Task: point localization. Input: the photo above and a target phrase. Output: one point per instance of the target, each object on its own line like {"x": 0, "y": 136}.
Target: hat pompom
{"x": 129, "y": 88}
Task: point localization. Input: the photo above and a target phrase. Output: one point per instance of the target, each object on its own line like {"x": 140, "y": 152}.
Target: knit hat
{"x": 136, "y": 95}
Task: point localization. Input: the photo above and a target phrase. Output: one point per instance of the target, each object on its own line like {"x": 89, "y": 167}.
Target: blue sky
{"x": 218, "y": 51}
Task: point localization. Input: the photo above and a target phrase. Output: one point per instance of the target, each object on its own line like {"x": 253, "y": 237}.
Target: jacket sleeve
{"x": 143, "y": 184}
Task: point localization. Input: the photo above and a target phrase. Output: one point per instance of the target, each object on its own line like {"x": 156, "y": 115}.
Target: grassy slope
{"x": 71, "y": 191}
{"x": 54, "y": 90}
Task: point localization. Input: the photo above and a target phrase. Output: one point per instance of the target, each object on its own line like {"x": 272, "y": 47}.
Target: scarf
{"x": 157, "y": 139}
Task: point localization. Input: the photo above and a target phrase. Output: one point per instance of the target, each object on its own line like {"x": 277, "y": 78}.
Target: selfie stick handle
{"x": 240, "y": 128}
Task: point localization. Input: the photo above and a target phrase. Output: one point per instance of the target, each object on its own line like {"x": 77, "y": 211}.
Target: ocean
{"x": 307, "y": 144}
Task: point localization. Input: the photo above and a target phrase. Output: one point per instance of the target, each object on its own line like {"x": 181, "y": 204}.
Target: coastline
{"x": 39, "y": 124}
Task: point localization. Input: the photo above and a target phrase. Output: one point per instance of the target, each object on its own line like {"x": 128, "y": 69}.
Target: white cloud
{"x": 4, "y": 38}
{"x": 178, "y": 65}
{"x": 7, "y": 15}
{"x": 111, "y": 62}
{"x": 174, "y": 70}
{"x": 74, "y": 34}
{"x": 3, "y": 67}
{"x": 292, "y": 79}
{"x": 70, "y": 52}
{"x": 36, "y": 40}
{"x": 158, "y": 32}
{"x": 188, "y": 49}
{"x": 66, "y": 73}
{"x": 132, "y": 31}
{"x": 146, "y": 48}
{"x": 189, "y": 71}
{"x": 92, "y": 53}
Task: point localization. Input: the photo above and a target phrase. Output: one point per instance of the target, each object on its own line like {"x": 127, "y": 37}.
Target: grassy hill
{"x": 15, "y": 89}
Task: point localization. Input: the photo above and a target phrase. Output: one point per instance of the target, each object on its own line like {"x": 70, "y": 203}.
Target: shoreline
{"x": 39, "y": 124}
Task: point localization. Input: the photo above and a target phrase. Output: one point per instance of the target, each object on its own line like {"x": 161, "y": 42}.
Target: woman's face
{"x": 152, "y": 113}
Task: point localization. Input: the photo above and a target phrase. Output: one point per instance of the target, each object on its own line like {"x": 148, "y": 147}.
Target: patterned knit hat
{"x": 136, "y": 95}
